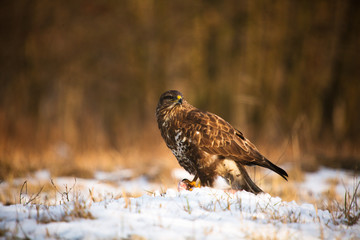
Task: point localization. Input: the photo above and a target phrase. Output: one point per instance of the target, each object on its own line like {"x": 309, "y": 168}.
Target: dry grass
{"x": 77, "y": 209}
{"x": 156, "y": 165}
{"x": 346, "y": 210}
{"x": 21, "y": 164}
{"x": 74, "y": 207}
{"x": 149, "y": 158}
{"x": 16, "y": 192}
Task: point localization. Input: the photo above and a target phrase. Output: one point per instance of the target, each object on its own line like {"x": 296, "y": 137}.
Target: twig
{"x": 22, "y": 187}
{"x": 65, "y": 194}
{"x": 33, "y": 198}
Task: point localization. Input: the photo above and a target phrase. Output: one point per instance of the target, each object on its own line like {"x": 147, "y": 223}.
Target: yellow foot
{"x": 186, "y": 184}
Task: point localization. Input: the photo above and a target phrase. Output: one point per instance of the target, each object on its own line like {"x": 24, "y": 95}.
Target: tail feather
{"x": 262, "y": 161}
{"x": 276, "y": 169}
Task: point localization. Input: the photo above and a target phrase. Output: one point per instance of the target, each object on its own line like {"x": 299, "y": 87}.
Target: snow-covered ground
{"x": 205, "y": 213}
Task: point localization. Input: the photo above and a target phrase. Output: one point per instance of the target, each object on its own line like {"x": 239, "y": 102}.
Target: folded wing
{"x": 215, "y": 136}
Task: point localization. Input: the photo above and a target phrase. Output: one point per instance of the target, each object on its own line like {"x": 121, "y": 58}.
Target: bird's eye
{"x": 168, "y": 97}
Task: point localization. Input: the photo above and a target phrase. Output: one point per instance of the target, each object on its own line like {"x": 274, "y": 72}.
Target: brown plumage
{"x": 207, "y": 146}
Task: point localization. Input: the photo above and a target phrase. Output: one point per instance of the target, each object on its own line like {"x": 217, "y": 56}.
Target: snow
{"x": 198, "y": 214}
{"x": 204, "y": 213}
{"x": 320, "y": 181}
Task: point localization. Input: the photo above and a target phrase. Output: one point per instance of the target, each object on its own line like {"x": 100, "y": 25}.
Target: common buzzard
{"x": 207, "y": 146}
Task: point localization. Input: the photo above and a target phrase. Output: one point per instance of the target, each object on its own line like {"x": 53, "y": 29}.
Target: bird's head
{"x": 169, "y": 99}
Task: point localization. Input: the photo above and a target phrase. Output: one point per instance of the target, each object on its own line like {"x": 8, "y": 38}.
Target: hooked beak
{"x": 179, "y": 99}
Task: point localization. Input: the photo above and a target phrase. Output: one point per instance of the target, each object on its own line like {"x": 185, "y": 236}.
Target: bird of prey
{"x": 207, "y": 146}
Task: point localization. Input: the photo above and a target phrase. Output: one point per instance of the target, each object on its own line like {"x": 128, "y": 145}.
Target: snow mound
{"x": 203, "y": 213}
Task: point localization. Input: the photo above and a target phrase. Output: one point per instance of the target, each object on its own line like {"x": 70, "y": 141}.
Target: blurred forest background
{"x": 80, "y": 80}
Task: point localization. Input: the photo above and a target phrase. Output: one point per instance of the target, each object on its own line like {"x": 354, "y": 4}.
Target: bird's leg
{"x": 185, "y": 184}
{"x": 193, "y": 182}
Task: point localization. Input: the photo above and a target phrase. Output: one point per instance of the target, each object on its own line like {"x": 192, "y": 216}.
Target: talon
{"x": 186, "y": 184}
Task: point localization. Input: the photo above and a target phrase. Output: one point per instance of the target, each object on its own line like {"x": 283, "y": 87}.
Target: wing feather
{"x": 215, "y": 136}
